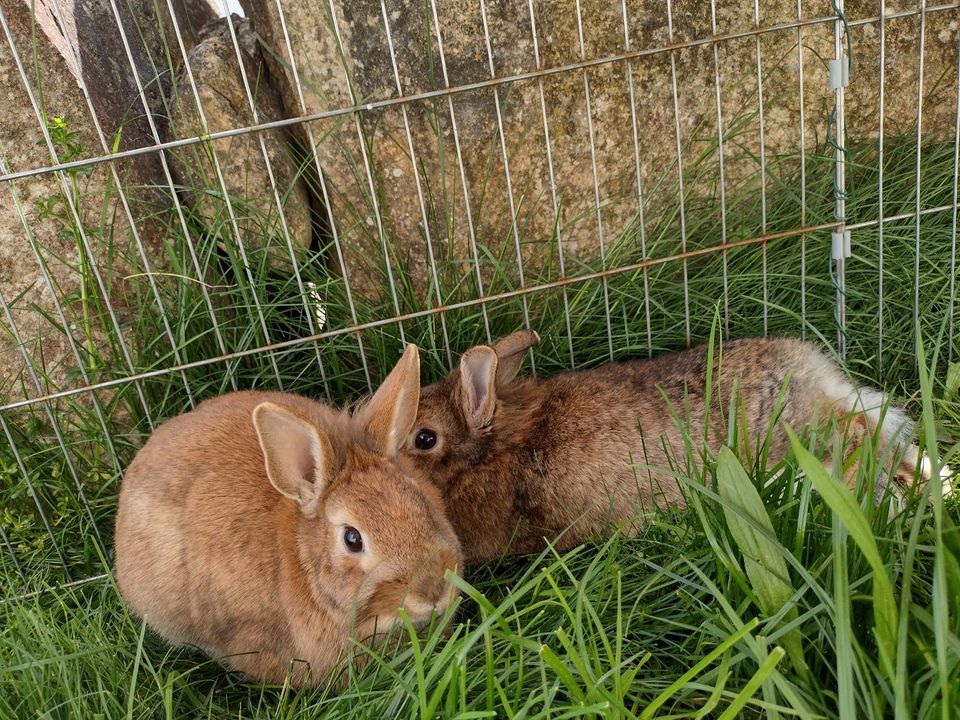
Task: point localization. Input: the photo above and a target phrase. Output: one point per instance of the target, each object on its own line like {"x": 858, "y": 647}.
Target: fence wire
{"x": 39, "y": 424}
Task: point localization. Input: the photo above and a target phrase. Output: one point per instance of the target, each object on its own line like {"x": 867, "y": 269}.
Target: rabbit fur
{"x": 230, "y": 533}
{"x": 522, "y": 460}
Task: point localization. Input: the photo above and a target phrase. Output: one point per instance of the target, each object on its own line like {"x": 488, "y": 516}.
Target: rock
{"x": 528, "y": 202}
{"x": 246, "y": 176}
{"x": 90, "y": 46}
{"x": 77, "y": 44}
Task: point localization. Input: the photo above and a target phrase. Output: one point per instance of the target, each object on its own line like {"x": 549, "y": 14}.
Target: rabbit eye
{"x": 425, "y": 439}
{"x": 353, "y": 539}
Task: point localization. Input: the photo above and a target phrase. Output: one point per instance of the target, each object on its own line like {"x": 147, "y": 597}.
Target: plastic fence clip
{"x": 840, "y": 248}
{"x": 839, "y": 72}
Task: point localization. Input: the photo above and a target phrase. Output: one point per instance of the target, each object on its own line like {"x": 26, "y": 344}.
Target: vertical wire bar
{"x": 723, "y": 192}
{"x": 181, "y": 218}
{"x": 58, "y": 307}
{"x": 462, "y": 167}
{"x": 416, "y": 177}
{"x": 640, "y": 198}
{"x": 506, "y": 169}
{"x": 596, "y": 179}
{"x": 683, "y": 217}
{"x": 12, "y": 553}
{"x": 916, "y": 261}
{"x": 75, "y": 212}
{"x": 803, "y": 174}
{"x": 54, "y": 423}
{"x": 368, "y": 168}
{"x": 880, "y": 222}
{"x": 953, "y": 230}
{"x": 553, "y": 184}
{"x": 178, "y": 207}
{"x": 216, "y": 164}
{"x": 840, "y": 182}
{"x": 325, "y": 194}
{"x": 763, "y": 165}
{"x": 126, "y": 205}
{"x": 36, "y": 498}
{"x": 308, "y": 311}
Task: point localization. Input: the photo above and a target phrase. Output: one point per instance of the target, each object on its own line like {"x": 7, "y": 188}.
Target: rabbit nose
{"x": 434, "y": 591}
{"x": 428, "y": 597}
{"x": 422, "y": 609}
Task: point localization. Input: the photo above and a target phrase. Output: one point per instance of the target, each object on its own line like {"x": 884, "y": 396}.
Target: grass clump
{"x": 672, "y": 623}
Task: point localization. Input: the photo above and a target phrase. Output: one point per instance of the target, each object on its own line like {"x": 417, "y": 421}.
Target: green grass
{"x": 669, "y": 624}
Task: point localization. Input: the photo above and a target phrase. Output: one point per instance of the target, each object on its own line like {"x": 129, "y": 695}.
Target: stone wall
{"x": 592, "y": 153}
{"x": 74, "y": 249}
{"x": 64, "y": 47}
{"x": 240, "y": 162}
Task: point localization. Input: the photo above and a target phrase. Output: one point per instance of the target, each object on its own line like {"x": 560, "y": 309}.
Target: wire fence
{"x": 151, "y": 331}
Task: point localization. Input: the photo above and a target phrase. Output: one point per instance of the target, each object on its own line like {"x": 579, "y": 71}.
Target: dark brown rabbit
{"x": 520, "y": 460}
{"x": 269, "y": 529}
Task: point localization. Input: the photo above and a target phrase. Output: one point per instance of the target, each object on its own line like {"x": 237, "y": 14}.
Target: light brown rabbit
{"x": 523, "y": 460}
{"x": 269, "y": 529}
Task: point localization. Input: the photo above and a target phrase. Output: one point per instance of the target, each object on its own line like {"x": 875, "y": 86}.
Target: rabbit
{"x": 267, "y": 528}
{"x": 521, "y": 461}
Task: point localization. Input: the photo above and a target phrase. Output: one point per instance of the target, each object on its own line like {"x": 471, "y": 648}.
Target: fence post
{"x": 840, "y": 249}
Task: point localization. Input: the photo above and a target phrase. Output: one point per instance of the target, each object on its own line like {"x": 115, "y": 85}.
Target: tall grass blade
{"x": 745, "y": 695}
{"x": 941, "y": 606}
{"x": 841, "y": 501}
{"x": 697, "y": 668}
{"x": 763, "y": 561}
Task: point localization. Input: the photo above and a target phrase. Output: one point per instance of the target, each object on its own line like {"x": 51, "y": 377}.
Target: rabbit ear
{"x": 389, "y": 416}
{"x": 478, "y": 394}
{"x": 298, "y": 455}
{"x": 510, "y": 352}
